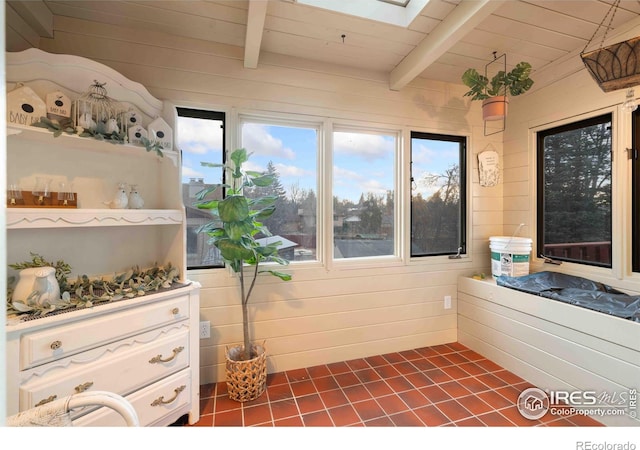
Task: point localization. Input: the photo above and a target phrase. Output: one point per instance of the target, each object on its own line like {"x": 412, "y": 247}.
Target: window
{"x": 289, "y": 151}
{"x": 438, "y": 194}
{"x": 574, "y": 192}
{"x": 635, "y": 192}
{"x": 200, "y": 137}
{"x": 363, "y": 194}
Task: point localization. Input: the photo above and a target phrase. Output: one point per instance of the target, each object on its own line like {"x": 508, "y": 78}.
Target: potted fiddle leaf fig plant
{"x": 494, "y": 92}
{"x": 235, "y": 231}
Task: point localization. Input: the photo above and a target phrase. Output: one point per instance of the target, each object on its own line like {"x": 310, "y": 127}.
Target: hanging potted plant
{"x": 234, "y": 231}
{"x": 493, "y": 93}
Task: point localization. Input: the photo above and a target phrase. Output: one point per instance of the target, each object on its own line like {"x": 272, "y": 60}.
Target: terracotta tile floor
{"x": 431, "y": 386}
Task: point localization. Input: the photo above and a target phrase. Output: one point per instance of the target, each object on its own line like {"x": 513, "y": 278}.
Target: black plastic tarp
{"x": 576, "y": 291}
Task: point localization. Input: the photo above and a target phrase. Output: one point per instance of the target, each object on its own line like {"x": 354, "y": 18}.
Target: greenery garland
{"x": 66, "y": 126}
{"x": 86, "y": 292}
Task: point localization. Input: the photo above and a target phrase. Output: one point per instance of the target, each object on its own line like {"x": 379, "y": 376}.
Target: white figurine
{"x": 86, "y": 121}
{"x": 111, "y": 126}
{"x": 135, "y": 199}
{"x": 120, "y": 200}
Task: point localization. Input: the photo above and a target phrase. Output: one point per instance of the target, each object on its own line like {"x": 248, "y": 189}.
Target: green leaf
{"x": 515, "y": 82}
{"x": 208, "y": 204}
{"x": 210, "y": 164}
{"x": 264, "y": 180}
{"x": 283, "y": 276}
{"x": 477, "y": 84}
{"x": 233, "y": 209}
{"x": 262, "y": 202}
{"x": 206, "y": 191}
{"x": 209, "y": 227}
{"x": 265, "y": 213}
{"x": 19, "y": 306}
{"x": 234, "y": 251}
{"x": 239, "y": 157}
{"x": 236, "y": 230}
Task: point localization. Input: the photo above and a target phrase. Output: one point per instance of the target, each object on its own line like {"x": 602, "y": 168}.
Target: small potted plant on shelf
{"x": 236, "y": 231}
{"x": 493, "y": 93}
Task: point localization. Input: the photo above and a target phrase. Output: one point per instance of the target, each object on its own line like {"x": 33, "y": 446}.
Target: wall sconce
{"x": 630, "y": 104}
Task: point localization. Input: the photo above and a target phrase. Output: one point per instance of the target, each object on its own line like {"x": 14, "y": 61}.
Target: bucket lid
{"x": 512, "y": 239}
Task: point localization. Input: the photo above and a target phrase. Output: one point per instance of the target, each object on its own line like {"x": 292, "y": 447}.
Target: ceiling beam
{"x": 464, "y": 18}
{"x": 256, "y": 15}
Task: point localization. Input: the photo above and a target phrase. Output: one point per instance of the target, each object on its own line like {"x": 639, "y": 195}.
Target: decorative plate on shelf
{"x": 24, "y": 107}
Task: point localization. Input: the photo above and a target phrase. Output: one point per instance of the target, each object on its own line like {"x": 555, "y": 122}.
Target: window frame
{"x": 463, "y": 142}
{"x": 295, "y": 121}
{"x": 346, "y": 126}
{"x": 208, "y": 114}
{"x": 635, "y": 191}
{"x": 574, "y": 123}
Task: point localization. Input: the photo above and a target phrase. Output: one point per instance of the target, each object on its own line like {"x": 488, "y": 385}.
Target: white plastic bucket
{"x": 509, "y": 256}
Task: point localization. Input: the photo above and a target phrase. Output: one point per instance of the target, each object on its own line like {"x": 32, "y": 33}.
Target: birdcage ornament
{"x": 95, "y": 111}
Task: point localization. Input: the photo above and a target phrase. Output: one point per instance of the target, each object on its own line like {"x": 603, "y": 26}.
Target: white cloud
{"x": 422, "y": 154}
{"x": 188, "y": 172}
{"x": 285, "y": 170}
{"x": 356, "y": 183}
{"x": 374, "y": 187}
{"x": 199, "y": 136}
{"x": 345, "y": 177}
{"x": 366, "y": 146}
{"x": 256, "y": 139}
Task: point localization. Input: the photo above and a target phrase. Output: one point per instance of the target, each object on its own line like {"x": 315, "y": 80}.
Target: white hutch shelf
{"x": 154, "y": 338}
{"x": 25, "y": 218}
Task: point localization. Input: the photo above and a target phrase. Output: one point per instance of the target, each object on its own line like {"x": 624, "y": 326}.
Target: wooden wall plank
{"x": 326, "y": 313}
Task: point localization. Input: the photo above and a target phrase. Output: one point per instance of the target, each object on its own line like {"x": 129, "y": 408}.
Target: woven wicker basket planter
{"x": 616, "y": 66}
{"x": 246, "y": 380}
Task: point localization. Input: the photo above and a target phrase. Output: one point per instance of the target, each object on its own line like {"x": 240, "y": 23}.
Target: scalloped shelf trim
{"x": 20, "y": 218}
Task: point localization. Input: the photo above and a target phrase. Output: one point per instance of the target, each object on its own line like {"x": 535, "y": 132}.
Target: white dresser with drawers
{"x": 145, "y": 349}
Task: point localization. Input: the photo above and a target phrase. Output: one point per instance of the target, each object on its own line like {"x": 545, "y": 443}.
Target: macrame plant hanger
{"x": 491, "y": 68}
{"x": 616, "y": 66}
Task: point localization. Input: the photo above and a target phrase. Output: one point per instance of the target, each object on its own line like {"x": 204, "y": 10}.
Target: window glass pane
{"x": 363, "y": 194}
{"x": 199, "y": 136}
{"x": 635, "y": 192}
{"x": 574, "y": 192}
{"x": 437, "y": 194}
{"x": 290, "y": 153}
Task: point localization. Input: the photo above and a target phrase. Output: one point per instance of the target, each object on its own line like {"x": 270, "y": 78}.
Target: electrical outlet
{"x": 205, "y": 329}
{"x": 447, "y": 302}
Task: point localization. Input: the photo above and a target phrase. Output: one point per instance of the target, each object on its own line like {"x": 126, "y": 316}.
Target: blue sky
{"x": 362, "y": 162}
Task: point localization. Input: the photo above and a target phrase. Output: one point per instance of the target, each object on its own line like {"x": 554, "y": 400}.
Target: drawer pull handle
{"x": 47, "y": 400}
{"x": 158, "y": 359}
{"x": 55, "y": 345}
{"x": 175, "y": 311}
{"x": 83, "y": 387}
{"x": 161, "y": 401}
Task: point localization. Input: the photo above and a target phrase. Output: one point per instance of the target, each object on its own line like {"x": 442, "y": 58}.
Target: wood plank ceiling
{"x": 446, "y": 38}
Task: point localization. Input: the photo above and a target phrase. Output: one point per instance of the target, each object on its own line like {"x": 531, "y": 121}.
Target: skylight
{"x": 395, "y": 12}
{"x": 402, "y": 3}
